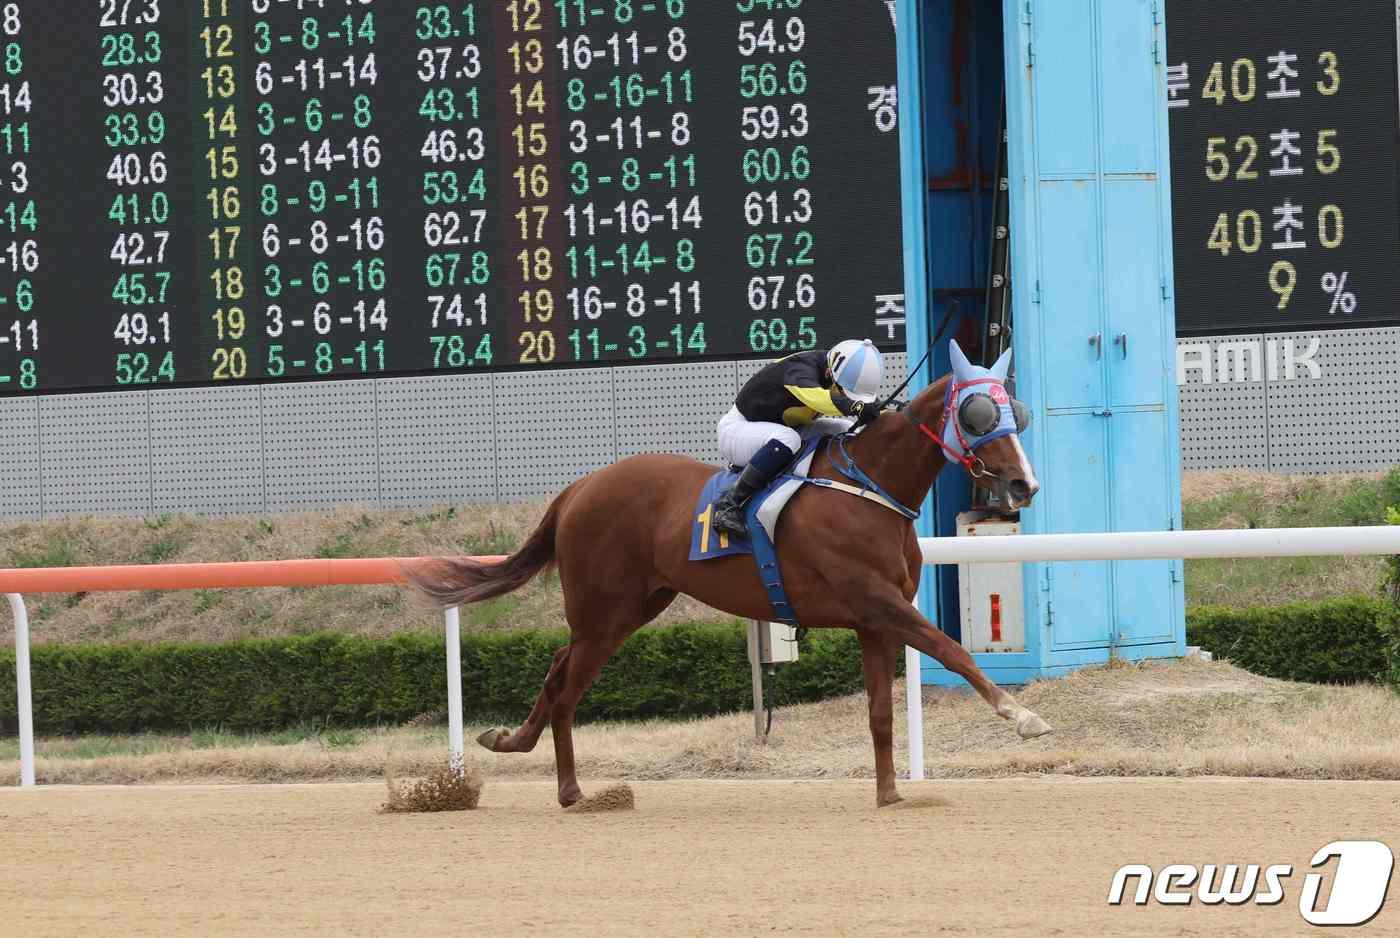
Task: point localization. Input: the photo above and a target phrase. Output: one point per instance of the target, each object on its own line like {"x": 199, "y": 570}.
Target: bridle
{"x": 970, "y": 461}
{"x": 973, "y": 463}
{"x": 968, "y": 457}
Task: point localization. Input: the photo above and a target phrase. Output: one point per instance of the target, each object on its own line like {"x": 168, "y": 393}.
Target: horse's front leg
{"x": 877, "y": 663}
{"x": 891, "y": 613}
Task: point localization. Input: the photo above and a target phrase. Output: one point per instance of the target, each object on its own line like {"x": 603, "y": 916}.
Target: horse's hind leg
{"x": 524, "y": 739}
{"x": 586, "y": 659}
{"x": 600, "y": 625}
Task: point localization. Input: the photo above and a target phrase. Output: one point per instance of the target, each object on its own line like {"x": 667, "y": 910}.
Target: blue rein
{"x": 858, "y": 476}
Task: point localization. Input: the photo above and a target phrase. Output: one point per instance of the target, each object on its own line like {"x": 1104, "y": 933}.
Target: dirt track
{"x": 1015, "y": 857}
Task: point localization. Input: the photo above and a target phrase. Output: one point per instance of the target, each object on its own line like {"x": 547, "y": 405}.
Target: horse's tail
{"x": 456, "y": 581}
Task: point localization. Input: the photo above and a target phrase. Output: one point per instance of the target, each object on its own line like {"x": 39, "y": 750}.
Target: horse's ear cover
{"x": 962, "y": 368}
{"x": 1003, "y": 366}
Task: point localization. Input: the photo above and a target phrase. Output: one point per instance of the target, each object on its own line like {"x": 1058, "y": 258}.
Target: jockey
{"x": 791, "y": 400}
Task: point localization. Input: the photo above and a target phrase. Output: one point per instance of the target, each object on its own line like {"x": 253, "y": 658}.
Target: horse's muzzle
{"x": 1019, "y": 493}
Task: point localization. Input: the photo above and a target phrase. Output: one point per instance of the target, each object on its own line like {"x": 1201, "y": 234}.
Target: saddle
{"x": 766, "y": 506}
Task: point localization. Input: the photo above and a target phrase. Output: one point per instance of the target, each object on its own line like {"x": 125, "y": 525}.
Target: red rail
{"x": 190, "y": 576}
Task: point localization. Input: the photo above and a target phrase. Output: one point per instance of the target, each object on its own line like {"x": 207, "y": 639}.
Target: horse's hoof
{"x": 1029, "y": 726}
{"x": 491, "y": 737}
{"x": 884, "y": 801}
{"x": 570, "y": 796}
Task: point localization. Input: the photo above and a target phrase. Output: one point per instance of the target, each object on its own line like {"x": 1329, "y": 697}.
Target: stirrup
{"x": 740, "y": 529}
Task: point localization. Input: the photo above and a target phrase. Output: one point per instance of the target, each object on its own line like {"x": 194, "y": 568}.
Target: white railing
{"x": 452, "y": 630}
{"x": 1142, "y": 545}
{"x": 1139, "y": 545}
{"x": 1163, "y": 545}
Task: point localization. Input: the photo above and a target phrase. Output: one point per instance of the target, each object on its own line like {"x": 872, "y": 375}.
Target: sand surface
{"x": 1030, "y": 856}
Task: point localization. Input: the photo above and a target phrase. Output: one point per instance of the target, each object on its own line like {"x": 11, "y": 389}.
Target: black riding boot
{"x": 729, "y": 509}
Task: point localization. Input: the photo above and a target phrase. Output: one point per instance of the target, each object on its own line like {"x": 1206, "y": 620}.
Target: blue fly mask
{"x": 978, "y": 409}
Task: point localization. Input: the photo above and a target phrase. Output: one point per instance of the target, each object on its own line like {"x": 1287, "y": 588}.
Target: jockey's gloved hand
{"x": 864, "y": 413}
{"x": 848, "y": 406}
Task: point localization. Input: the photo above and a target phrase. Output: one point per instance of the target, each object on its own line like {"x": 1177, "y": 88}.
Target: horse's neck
{"x": 897, "y": 455}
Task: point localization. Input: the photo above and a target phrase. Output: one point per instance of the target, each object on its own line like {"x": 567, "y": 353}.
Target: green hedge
{"x": 1390, "y": 630}
{"x": 260, "y": 684}
{"x": 684, "y": 670}
{"x": 1330, "y": 641}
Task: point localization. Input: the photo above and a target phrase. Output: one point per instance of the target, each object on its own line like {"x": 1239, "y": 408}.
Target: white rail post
{"x": 914, "y": 708}
{"x": 756, "y": 678}
{"x": 26, "y": 699}
{"x": 914, "y": 683}
{"x": 453, "y": 619}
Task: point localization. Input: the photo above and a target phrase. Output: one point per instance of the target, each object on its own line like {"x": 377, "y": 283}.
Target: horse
{"x": 620, "y": 537}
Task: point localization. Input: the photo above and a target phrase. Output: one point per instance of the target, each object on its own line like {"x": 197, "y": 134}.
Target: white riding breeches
{"x": 739, "y": 439}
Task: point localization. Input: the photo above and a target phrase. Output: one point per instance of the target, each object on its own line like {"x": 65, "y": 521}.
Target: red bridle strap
{"x": 967, "y": 459}
{"x": 975, "y": 467}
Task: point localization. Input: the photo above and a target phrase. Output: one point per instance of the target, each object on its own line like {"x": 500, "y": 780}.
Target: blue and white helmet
{"x": 857, "y": 367}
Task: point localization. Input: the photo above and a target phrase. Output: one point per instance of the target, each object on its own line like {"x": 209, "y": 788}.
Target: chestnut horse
{"x": 620, "y": 538}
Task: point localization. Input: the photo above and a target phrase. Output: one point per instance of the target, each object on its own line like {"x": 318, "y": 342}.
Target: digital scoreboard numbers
{"x": 222, "y": 191}
{"x": 1284, "y": 122}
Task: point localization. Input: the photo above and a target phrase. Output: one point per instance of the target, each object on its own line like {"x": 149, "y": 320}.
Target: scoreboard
{"x": 224, "y": 191}
{"x": 1284, "y": 127}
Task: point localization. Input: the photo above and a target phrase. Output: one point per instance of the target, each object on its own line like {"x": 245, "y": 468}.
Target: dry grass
{"x": 1180, "y": 718}
{"x": 1267, "y": 486}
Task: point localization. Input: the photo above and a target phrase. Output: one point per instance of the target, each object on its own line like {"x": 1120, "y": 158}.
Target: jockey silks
{"x": 792, "y": 391}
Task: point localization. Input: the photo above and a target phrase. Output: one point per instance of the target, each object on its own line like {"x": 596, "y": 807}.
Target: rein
{"x": 953, "y": 308}
{"x": 869, "y": 488}
{"x": 872, "y": 490}
{"x": 971, "y": 462}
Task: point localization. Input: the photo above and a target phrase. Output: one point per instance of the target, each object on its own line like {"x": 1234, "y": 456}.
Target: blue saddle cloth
{"x": 705, "y": 542}
{"x": 708, "y": 544}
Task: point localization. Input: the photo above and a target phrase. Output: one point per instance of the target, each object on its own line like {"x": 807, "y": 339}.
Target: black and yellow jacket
{"x": 792, "y": 391}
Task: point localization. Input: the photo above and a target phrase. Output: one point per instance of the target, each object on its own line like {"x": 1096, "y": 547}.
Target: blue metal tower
{"x": 1093, "y": 323}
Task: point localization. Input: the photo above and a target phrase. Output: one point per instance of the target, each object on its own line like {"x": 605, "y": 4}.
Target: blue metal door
{"x": 1076, "y": 611}
{"x": 1139, "y": 318}
{"x": 1070, "y": 295}
{"x": 1144, "y": 607}
{"x": 1069, "y": 285}
{"x": 1094, "y": 322}
{"x": 1138, "y": 322}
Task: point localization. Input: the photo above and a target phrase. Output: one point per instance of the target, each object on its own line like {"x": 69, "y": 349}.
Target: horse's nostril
{"x": 1020, "y": 491}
